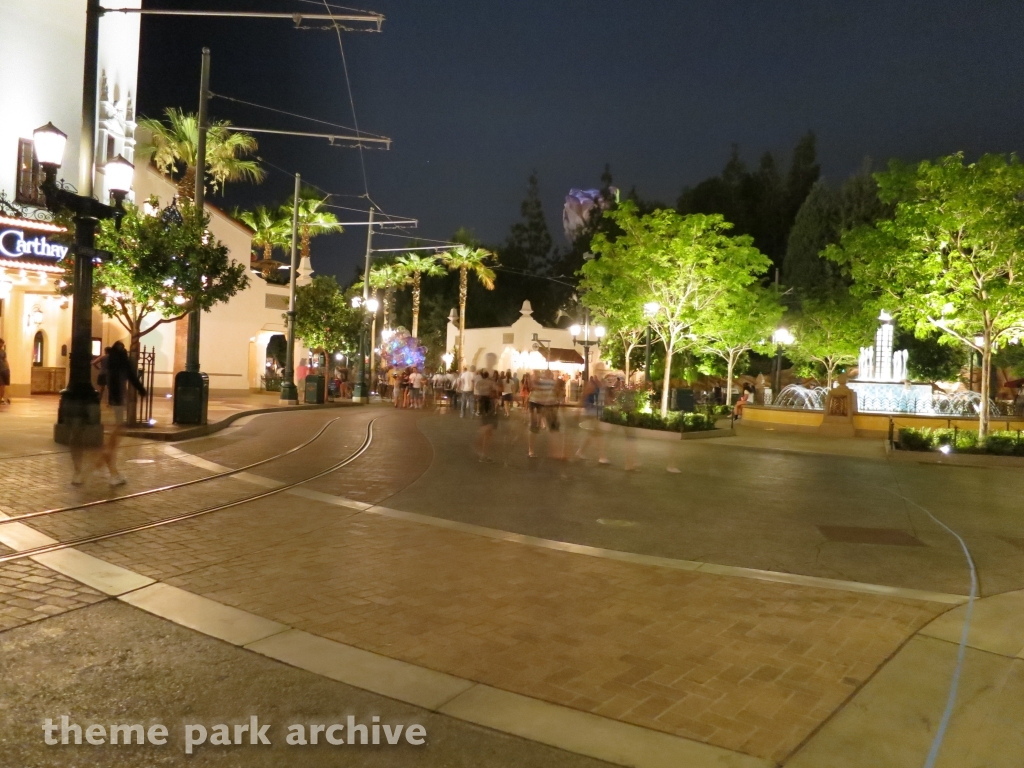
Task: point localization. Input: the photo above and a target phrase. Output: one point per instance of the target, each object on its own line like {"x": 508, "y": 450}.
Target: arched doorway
{"x": 38, "y": 350}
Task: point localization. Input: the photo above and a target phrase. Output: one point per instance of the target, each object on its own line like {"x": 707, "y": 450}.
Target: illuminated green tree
{"x": 951, "y": 258}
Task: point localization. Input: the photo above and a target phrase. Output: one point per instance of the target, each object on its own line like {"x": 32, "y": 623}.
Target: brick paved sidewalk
{"x": 30, "y": 592}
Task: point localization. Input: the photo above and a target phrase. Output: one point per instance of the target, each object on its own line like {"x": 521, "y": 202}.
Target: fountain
{"x": 882, "y": 386}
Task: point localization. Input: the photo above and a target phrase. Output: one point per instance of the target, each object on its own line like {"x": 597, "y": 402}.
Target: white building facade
{"x": 41, "y": 58}
{"x": 526, "y": 345}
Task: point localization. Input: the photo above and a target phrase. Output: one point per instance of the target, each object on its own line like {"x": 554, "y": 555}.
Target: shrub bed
{"x": 961, "y": 441}
{"x": 674, "y": 422}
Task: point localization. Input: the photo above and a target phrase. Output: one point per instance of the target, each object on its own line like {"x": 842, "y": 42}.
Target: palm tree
{"x": 386, "y": 277}
{"x": 312, "y": 220}
{"x": 270, "y": 230}
{"x": 415, "y": 267}
{"x": 468, "y": 259}
{"x": 174, "y": 148}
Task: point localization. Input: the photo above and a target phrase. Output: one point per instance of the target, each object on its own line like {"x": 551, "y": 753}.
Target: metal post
{"x": 360, "y": 392}
{"x": 647, "y": 357}
{"x": 586, "y": 345}
{"x": 777, "y": 372}
{"x": 289, "y": 392}
{"x": 191, "y": 388}
{"x": 78, "y": 414}
{"x": 192, "y": 354}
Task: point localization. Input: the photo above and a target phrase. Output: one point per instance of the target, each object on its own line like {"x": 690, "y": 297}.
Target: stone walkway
{"x": 756, "y": 668}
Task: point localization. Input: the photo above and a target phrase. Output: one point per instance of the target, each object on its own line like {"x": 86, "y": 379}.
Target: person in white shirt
{"x": 466, "y": 381}
{"x": 416, "y": 384}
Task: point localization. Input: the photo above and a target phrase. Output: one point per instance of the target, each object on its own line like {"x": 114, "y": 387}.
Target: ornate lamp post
{"x": 650, "y": 310}
{"x": 79, "y": 409}
{"x": 587, "y": 342}
{"x": 360, "y": 393}
{"x": 782, "y": 337}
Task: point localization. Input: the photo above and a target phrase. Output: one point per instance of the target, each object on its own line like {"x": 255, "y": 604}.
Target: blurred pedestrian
{"x": 121, "y": 371}
{"x": 487, "y": 395}
{"x": 466, "y": 380}
{"x": 593, "y": 397}
{"x": 5, "y": 373}
{"x": 544, "y": 414}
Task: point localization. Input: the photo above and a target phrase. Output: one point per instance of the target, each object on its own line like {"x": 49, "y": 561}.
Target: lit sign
{"x": 14, "y": 244}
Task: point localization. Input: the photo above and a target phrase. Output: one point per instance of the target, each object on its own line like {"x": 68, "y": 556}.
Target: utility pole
{"x": 191, "y": 387}
{"x": 289, "y": 392}
{"x": 361, "y": 393}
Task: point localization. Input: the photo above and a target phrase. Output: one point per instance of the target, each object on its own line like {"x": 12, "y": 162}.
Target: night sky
{"x": 478, "y": 93}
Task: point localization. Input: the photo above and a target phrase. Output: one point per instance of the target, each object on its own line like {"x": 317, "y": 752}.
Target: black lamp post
{"x": 79, "y": 409}
{"x": 781, "y": 337}
{"x": 597, "y": 331}
{"x": 361, "y": 391}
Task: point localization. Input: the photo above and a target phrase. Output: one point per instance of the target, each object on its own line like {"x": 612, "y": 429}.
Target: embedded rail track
{"x": 6, "y": 558}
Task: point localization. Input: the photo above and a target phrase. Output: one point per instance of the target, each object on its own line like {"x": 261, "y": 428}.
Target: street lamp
{"x": 781, "y": 337}
{"x": 78, "y": 415}
{"x": 447, "y": 357}
{"x": 650, "y": 310}
{"x": 586, "y": 342}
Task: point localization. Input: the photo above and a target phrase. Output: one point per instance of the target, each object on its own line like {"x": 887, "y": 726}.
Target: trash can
{"x": 191, "y": 397}
{"x": 315, "y": 390}
{"x": 680, "y": 400}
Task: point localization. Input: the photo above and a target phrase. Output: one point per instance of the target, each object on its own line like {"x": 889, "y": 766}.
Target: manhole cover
{"x": 848, "y": 534}
{"x": 612, "y": 523}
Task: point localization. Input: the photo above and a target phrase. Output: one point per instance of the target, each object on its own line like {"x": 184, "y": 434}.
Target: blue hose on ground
{"x": 940, "y": 734}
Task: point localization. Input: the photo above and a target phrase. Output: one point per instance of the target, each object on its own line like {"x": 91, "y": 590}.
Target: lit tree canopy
{"x": 830, "y": 331}
{"x": 160, "y": 269}
{"x": 743, "y": 320}
{"x": 324, "y": 317}
{"x": 951, "y": 258}
{"x": 687, "y": 265}
{"x": 415, "y": 266}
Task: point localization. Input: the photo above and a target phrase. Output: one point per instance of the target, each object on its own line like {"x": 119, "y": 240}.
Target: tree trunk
{"x": 416, "y": 305}
{"x": 463, "y": 286}
{"x": 304, "y": 233}
{"x": 986, "y": 388}
{"x": 730, "y": 367}
{"x": 187, "y": 185}
{"x": 666, "y": 380}
{"x": 626, "y": 366}
{"x": 386, "y": 306}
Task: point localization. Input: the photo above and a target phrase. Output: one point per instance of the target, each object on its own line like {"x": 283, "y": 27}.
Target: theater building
{"x": 35, "y": 321}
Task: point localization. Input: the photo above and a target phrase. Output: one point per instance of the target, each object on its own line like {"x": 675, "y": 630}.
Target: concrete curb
{"x": 954, "y": 459}
{"x": 208, "y": 429}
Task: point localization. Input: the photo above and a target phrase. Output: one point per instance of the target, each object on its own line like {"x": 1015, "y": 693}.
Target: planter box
{"x": 660, "y": 434}
{"x": 953, "y": 459}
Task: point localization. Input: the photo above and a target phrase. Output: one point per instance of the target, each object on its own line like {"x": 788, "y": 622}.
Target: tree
{"x": 743, "y": 321}
{"x": 324, "y": 317}
{"x": 686, "y": 264}
{"x": 822, "y": 219}
{"x": 830, "y": 332}
{"x": 385, "y": 277}
{"x": 313, "y": 220}
{"x": 759, "y": 202}
{"x": 951, "y": 258}
{"x": 466, "y": 259}
{"x": 160, "y": 269}
{"x": 270, "y": 229}
{"x": 415, "y": 266}
{"x": 174, "y": 149}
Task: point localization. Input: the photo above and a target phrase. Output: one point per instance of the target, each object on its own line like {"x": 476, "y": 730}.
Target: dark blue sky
{"x": 478, "y": 93}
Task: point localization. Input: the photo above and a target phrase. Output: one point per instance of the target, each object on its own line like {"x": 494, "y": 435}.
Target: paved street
{"x": 781, "y": 599}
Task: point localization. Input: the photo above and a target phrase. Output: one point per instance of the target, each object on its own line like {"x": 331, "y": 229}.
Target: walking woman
{"x": 5, "y": 374}
{"x": 120, "y": 373}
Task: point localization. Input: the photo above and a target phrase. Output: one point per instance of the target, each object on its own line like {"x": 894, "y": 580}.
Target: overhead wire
{"x": 295, "y": 114}
{"x": 352, "y": 103}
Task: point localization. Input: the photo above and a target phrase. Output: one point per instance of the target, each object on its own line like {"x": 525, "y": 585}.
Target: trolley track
{"x": 60, "y": 545}
{"x": 169, "y": 487}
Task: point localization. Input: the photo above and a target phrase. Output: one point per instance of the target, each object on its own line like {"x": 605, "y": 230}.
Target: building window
{"x": 29, "y": 175}
{"x": 110, "y": 148}
{"x": 37, "y": 349}
{"x": 508, "y": 338}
